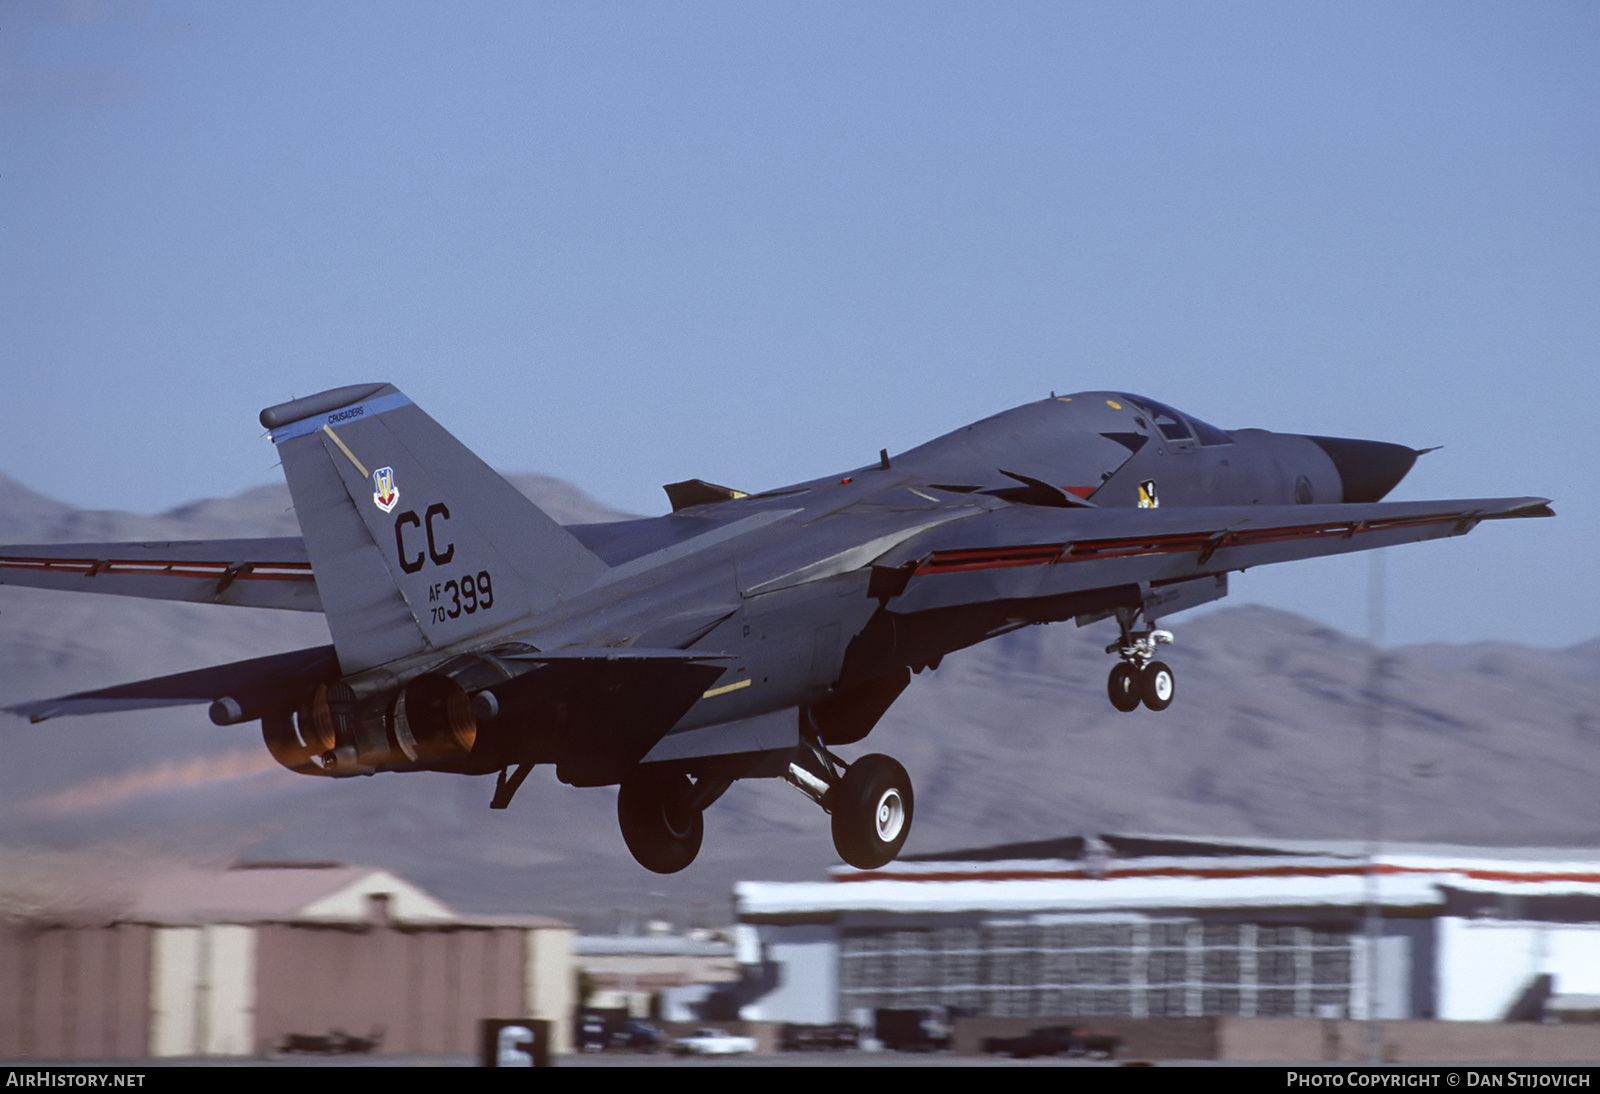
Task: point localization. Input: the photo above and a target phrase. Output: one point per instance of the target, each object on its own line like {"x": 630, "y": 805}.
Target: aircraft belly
{"x": 760, "y": 733}
{"x": 796, "y": 636}
{"x": 787, "y": 648}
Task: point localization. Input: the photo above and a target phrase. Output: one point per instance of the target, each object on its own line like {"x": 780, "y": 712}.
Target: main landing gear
{"x": 870, "y": 800}
{"x": 1138, "y": 677}
{"x": 662, "y": 817}
{"x": 662, "y": 814}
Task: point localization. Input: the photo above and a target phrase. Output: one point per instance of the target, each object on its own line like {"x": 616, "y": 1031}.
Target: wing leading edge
{"x": 1016, "y": 554}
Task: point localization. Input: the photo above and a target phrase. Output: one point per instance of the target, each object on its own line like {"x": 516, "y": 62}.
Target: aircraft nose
{"x": 1368, "y": 469}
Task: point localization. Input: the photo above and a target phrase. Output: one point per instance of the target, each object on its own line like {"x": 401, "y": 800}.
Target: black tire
{"x": 872, "y": 808}
{"x": 1156, "y": 686}
{"x": 1123, "y": 687}
{"x": 658, "y": 824}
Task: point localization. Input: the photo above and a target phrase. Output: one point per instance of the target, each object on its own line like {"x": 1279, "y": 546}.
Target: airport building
{"x": 653, "y": 972}
{"x": 1146, "y": 927}
{"x": 250, "y": 960}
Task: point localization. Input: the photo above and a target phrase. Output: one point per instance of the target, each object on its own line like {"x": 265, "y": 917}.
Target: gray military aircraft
{"x": 742, "y": 636}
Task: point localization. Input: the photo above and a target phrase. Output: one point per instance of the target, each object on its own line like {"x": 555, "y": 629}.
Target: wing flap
{"x": 252, "y": 573}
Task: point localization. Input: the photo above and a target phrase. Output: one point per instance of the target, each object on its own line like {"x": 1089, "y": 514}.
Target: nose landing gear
{"x": 1138, "y": 677}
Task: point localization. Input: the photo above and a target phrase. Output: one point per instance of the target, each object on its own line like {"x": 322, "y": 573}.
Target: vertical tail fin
{"x": 415, "y": 542}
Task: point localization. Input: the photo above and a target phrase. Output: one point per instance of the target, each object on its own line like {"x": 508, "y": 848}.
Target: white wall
{"x": 806, "y": 960}
{"x": 1484, "y": 964}
{"x": 202, "y": 991}
{"x": 174, "y": 971}
{"x": 1393, "y": 995}
{"x": 548, "y": 982}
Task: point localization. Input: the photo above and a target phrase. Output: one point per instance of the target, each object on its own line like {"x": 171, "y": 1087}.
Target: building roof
{"x": 1148, "y": 873}
{"x": 330, "y": 892}
{"x": 648, "y": 946}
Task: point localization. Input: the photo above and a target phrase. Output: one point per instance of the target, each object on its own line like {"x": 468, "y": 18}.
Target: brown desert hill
{"x": 1012, "y": 740}
{"x": 23, "y": 512}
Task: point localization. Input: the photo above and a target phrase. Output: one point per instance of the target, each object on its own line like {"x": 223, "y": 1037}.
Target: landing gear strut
{"x": 1138, "y": 677}
{"x": 871, "y": 801}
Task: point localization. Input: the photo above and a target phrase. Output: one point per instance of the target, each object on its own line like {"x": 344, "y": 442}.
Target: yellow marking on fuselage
{"x": 714, "y": 692}
{"x": 349, "y": 455}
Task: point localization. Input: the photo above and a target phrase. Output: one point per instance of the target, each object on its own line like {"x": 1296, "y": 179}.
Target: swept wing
{"x": 247, "y": 573}
{"x": 1022, "y": 553}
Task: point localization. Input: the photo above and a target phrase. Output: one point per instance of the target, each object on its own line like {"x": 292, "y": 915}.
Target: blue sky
{"x": 627, "y": 244}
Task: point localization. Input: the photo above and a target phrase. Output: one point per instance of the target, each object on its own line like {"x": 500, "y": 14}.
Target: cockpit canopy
{"x": 1073, "y": 443}
{"x": 1175, "y": 426}
{"x": 1115, "y": 448}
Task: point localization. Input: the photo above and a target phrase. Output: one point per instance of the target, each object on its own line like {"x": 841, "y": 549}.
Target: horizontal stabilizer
{"x": 256, "y": 685}
{"x": 249, "y": 573}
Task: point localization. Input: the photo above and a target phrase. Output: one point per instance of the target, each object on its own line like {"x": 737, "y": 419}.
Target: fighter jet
{"x": 745, "y": 635}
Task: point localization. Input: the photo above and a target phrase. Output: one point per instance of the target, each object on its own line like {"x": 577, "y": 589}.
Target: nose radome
{"x": 1368, "y": 469}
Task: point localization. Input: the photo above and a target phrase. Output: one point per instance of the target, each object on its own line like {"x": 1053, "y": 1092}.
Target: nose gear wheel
{"x": 1138, "y": 677}
{"x": 1123, "y": 687}
{"x": 1156, "y": 686}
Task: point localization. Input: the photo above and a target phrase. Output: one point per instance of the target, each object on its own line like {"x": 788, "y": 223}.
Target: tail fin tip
{"x": 336, "y": 398}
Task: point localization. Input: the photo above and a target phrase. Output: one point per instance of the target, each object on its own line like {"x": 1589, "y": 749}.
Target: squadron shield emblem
{"x": 385, "y": 495}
